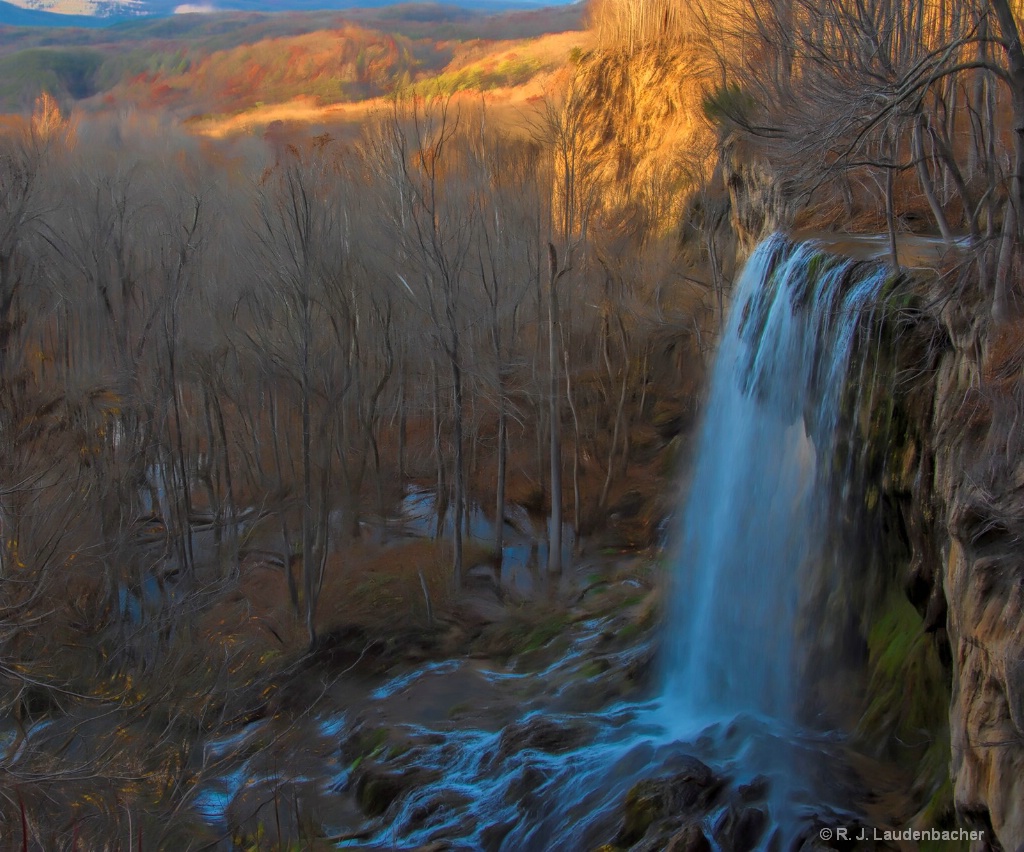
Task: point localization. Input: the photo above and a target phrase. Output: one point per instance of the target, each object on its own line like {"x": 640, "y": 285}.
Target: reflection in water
{"x": 525, "y": 550}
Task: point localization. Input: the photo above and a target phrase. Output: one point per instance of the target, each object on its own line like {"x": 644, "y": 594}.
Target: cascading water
{"x": 759, "y": 522}
{"x": 760, "y": 511}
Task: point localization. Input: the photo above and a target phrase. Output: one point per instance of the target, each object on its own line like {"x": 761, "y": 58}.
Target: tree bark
{"x": 554, "y": 401}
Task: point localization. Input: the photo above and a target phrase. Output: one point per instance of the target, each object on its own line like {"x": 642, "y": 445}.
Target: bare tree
{"x": 564, "y": 129}
{"x": 416, "y": 154}
{"x": 510, "y": 215}
{"x": 301, "y": 317}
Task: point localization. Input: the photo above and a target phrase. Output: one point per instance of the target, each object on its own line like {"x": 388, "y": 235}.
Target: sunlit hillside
{"x": 224, "y": 63}
{"x": 508, "y": 76}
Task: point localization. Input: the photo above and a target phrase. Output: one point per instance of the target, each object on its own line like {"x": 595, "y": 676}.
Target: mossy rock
{"x": 690, "y": 791}
{"x": 375, "y": 793}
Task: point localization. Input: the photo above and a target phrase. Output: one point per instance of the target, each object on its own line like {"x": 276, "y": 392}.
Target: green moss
{"x": 643, "y": 806}
{"x": 595, "y": 667}
{"x": 376, "y": 794}
{"x": 544, "y": 632}
{"x": 907, "y": 718}
{"x": 629, "y": 631}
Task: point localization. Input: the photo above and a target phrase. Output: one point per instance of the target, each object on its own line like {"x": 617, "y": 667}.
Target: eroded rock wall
{"x": 953, "y": 486}
{"x": 979, "y": 485}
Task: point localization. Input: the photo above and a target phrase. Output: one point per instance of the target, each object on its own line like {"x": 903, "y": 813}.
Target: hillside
{"x": 509, "y": 76}
{"x": 202, "y": 65}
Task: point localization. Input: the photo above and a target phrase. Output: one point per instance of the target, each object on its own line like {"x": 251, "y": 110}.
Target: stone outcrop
{"x": 759, "y": 202}
{"x": 954, "y": 486}
{"x": 979, "y": 483}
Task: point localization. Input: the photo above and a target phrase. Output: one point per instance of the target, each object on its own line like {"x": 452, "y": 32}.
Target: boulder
{"x": 690, "y": 791}
{"x": 740, "y": 829}
{"x": 541, "y": 734}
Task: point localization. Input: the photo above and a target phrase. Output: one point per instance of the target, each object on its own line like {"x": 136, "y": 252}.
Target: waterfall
{"x": 766, "y": 513}
{"x": 760, "y": 516}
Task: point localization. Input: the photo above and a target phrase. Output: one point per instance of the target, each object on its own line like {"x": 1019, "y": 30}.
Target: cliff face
{"x": 951, "y": 448}
{"x": 758, "y": 201}
{"x": 979, "y": 485}
{"x": 962, "y": 507}
{"x": 954, "y": 486}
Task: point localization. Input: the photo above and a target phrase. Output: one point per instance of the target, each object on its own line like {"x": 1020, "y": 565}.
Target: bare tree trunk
{"x": 293, "y": 589}
{"x": 924, "y": 176}
{"x": 1013, "y": 219}
{"x": 603, "y": 499}
{"x": 441, "y": 495}
{"x": 555, "y": 531}
{"x": 1004, "y": 266}
{"x": 460, "y": 473}
{"x": 308, "y": 546}
{"x": 230, "y": 510}
{"x": 890, "y": 204}
{"x": 182, "y": 501}
{"x": 576, "y": 523}
{"x": 499, "y": 497}
{"x": 402, "y": 425}
{"x": 1015, "y": 55}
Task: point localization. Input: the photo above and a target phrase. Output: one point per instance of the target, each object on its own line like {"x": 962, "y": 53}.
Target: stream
{"x": 716, "y": 748}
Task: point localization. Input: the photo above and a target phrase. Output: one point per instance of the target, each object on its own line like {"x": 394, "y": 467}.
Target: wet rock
{"x": 741, "y": 829}
{"x": 376, "y": 791}
{"x": 523, "y": 787}
{"x": 362, "y": 741}
{"x": 541, "y": 734}
{"x": 481, "y": 605}
{"x": 673, "y": 835}
{"x": 629, "y": 505}
{"x": 656, "y": 836}
{"x": 688, "y": 792}
{"x": 377, "y": 788}
{"x": 492, "y": 836}
{"x": 755, "y": 791}
{"x": 668, "y": 422}
{"x": 443, "y": 846}
{"x": 639, "y": 663}
{"x": 444, "y": 801}
{"x": 689, "y": 839}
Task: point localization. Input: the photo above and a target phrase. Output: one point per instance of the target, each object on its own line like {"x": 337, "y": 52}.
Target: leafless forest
{"x": 210, "y": 349}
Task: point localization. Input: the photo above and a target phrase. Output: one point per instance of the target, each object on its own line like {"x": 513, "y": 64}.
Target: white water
{"x": 758, "y": 516}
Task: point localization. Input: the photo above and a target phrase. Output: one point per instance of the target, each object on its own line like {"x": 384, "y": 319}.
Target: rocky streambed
{"x": 548, "y": 735}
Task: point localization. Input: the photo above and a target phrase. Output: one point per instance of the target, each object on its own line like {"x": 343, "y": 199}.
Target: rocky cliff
{"x": 979, "y": 520}
{"x": 946, "y": 439}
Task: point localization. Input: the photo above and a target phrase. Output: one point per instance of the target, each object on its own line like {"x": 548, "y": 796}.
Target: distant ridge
{"x": 16, "y": 16}
{"x": 109, "y": 12}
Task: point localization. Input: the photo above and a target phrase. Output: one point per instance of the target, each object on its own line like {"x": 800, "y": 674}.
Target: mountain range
{"x": 92, "y": 13}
